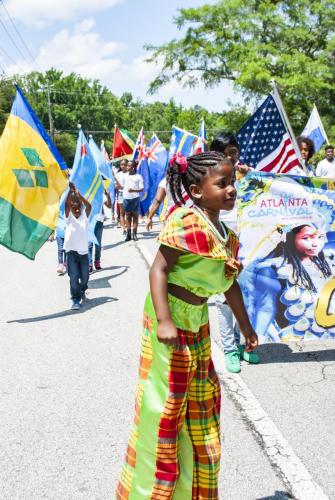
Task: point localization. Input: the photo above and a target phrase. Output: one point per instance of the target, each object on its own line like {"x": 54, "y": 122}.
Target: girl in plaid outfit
{"x": 174, "y": 447}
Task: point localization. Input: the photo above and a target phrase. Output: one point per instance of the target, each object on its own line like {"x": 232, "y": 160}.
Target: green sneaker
{"x": 249, "y": 357}
{"x": 233, "y": 364}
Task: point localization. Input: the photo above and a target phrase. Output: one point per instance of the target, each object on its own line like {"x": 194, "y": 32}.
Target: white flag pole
{"x": 277, "y": 98}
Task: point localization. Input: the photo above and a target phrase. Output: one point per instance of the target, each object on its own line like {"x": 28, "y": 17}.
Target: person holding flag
{"x": 76, "y": 244}
{"x": 87, "y": 178}
{"x": 132, "y": 187}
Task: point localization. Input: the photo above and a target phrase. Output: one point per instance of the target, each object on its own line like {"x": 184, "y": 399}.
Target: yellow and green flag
{"x": 32, "y": 179}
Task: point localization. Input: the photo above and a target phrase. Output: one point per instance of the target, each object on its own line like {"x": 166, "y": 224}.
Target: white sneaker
{"x": 61, "y": 269}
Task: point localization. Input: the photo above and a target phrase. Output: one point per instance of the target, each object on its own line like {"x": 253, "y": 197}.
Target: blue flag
{"x": 104, "y": 165}
{"x": 157, "y": 158}
{"x": 140, "y": 155}
{"x": 86, "y": 177}
{"x": 182, "y": 142}
{"x": 314, "y": 130}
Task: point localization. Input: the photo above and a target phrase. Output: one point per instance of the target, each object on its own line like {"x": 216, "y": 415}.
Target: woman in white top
{"x": 119, "y": 186}
{"x": 132, "y": 187}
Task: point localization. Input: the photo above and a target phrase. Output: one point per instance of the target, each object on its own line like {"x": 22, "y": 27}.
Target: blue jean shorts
{"x": 132, "y": 205}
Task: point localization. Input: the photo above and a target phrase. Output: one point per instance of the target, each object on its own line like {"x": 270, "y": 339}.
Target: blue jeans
{"x": 77, "y": 268}
{"x": 61, "y": 252}
{"x": 99, "y": 226}
{"x": 229, "y": 329}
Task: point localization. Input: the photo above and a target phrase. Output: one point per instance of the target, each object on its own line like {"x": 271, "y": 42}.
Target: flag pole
{"x": 284, "y": 116}
{"x": 115, "y": 125}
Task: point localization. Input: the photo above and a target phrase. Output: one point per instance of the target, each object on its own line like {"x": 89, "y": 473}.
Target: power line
{"x": 73, "y": 92}
{"x": 17, "y": 31}
{"x": 146, "y": 132}
{"x": 12, "y": 39}
{"x": 7, "y": 55}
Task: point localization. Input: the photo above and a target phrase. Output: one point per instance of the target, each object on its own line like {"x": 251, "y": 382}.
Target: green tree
{"x": 66, "y": 144}
{"x": 7, "y": 93}
{"x": 74, "y": 100}
{"x": 250, "y": 43}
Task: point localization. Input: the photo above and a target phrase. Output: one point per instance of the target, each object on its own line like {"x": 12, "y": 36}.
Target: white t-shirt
{"x": 119, "y": 178}
{"x": 115, "y": 170}
{"x": 162, "y": 183}
{"x": 326, "y": 168}
{"x": 134, "y": 181}
{"x": 76, "y": 233}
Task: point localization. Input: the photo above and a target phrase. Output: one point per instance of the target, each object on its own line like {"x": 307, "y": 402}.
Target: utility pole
{"x": 51, "y": 122}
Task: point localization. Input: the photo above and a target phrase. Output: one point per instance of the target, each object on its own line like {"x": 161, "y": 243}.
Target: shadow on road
{"x": 282, "y": 353}
{"x": 88, "y": 304}
{"x": 148, "y": 235}
{"x": 103, "y": 282}
{"x": 113, "y": 245}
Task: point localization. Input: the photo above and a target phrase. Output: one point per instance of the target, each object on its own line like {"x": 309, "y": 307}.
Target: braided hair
{"x": 195, "y": 170}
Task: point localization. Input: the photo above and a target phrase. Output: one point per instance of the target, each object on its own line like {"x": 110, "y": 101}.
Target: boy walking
{"x": 76, "y": 244}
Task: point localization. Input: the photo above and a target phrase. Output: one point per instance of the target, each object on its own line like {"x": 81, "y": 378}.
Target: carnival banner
{"x": 287, "y": 235}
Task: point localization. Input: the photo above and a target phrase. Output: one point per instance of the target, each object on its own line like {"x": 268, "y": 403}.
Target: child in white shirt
{"x": 76, "y": 244}
{"x": 132, "y": 187}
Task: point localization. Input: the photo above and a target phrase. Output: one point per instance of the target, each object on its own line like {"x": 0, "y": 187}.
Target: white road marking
{"x": 292, "y": 471}
{"x": 146, "y": 254}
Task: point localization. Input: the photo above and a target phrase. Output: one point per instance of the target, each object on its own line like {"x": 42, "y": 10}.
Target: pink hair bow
{"x": 180, "y": 160}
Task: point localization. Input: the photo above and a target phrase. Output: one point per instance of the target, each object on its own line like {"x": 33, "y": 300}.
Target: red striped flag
{"x": 265, "y": 143}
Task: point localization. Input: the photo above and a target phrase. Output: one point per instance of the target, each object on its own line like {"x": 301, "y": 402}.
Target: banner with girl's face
{"x": 287, "y": 236}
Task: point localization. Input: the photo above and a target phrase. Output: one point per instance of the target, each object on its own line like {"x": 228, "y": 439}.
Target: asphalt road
{"x": 68, "y": 381}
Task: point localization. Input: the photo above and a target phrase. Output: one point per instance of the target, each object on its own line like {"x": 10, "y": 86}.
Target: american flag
{"x": 265, "y": 143}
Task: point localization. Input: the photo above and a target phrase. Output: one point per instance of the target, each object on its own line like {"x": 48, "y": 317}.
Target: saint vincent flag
{"x": 123, "y": 144}
{"x": 31, "y": 181}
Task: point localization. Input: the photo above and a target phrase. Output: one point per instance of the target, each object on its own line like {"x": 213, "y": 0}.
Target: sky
{"x": 102, "y": 39}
